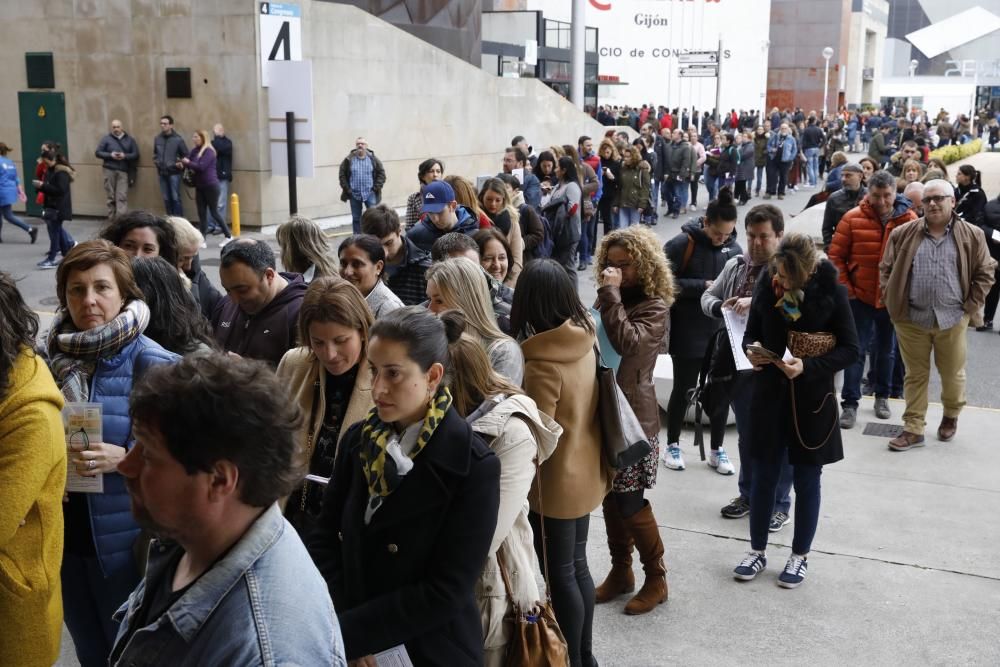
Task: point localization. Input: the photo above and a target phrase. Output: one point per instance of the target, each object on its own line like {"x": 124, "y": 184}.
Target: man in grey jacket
{"x": 168, "y": 149}
{"x": 119, "y": 152}
{"x": 733, "y": 289}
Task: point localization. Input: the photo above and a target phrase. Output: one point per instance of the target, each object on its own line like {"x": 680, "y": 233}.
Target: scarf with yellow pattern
{"x": 380, "y": 449}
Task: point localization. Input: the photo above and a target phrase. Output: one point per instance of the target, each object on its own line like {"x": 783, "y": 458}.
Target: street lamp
{"x": 827, "y": 54}
{"x": 909, "y": 98}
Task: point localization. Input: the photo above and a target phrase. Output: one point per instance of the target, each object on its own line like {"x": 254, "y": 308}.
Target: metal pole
{"x": 293, "y": 195}
{"x": 826, "y": 85}
{"x": 718, "y": 86}
{"x": 577, "y": 51}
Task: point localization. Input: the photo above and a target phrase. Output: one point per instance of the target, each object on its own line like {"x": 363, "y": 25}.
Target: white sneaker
{"x": 720, "y": 461}
{"x": 223, "y": 242}
{"x": 672, "y": 458}
{"x": 204, "y": 245}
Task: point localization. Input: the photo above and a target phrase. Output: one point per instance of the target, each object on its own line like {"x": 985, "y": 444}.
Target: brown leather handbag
{"x": 536, "y": 640}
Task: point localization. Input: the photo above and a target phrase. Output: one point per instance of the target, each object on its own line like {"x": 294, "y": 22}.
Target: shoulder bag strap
{"x": 688, "y": 252}
{"x": 541, "y": 514}
{"x": 309, "y": 441}
{"x": 795, "y": 418}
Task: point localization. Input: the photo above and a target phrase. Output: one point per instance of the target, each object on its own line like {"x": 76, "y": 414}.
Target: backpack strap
{"x": 688, "y": 252}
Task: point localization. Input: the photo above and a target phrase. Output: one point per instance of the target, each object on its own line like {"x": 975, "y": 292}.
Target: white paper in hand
{"x": 394, "y": 657}
{"x": 83, "y": 425}
{"x": 996, "y": 236}
{"x": 736, "y": 326}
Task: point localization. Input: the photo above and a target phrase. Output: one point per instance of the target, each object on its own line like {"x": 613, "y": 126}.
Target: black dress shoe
{"x": 987, "y": 326}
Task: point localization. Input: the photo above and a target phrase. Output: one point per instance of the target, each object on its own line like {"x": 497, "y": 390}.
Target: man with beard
{"x": 228, "y": 581}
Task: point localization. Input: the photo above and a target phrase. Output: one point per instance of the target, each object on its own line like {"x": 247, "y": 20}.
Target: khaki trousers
{"x": 116, "y": 189}
{"x": 916, "y": 344}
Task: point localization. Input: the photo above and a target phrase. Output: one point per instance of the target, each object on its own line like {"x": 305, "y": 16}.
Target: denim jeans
{"x": 570, "y": 580}
{"x": 807, "y": 496}
{"x": 170, "y": 188}
{"x": 760, "y": 180}
{"x": 224, "y": 199}
{"x": 742, "y": 386}
{"x": 680, "y": 193}
{"x": 874, "y": 328}
{"x": 6, "y": 213}
{"x": 356, "y": 205}
{"x": 59, "y": 239}
{"x": 812, "y": 166}
{"x": 711, "y": 185}
{"x": 629, "y": 216}
{"x": 654, "y": 193}
{"x": 89, "y": 601}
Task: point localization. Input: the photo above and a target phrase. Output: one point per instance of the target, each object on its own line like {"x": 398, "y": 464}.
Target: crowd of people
{"x": 397, "y": 442}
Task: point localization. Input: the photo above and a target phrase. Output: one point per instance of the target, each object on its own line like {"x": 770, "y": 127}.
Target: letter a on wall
{"x": 280, "y": 34}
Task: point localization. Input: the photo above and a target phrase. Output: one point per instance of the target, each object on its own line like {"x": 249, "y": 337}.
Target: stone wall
{"x": 410, "y": 100}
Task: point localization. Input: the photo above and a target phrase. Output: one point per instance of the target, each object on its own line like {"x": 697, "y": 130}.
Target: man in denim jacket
{"x": 228, "y": 581}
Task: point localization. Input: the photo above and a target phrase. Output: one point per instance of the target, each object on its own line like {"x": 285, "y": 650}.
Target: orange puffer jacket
{"x": 858, "y": 244}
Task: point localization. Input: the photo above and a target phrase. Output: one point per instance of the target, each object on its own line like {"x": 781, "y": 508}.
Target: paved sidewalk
{"x": 905, "y": 567}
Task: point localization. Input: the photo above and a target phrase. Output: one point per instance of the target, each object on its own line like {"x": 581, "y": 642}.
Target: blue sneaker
{"x": 672, "y": 458}
{"x": 794, "y": 572}
{"x": 751, "y": 565}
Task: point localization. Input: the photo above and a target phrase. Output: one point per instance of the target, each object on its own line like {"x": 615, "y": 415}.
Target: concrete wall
{"x": 110, "y": 60}
{"x": 411, "y": 100}
{"x": 865, "y": 50}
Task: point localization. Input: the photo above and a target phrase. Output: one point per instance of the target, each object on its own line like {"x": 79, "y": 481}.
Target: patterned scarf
{"x": 381, "y": 458}
{"x": 788, "y": 302}
{"x": 73, "y": 354}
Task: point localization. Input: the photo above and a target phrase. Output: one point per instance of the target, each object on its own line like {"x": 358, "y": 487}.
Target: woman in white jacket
{"x": 519, "y": 435}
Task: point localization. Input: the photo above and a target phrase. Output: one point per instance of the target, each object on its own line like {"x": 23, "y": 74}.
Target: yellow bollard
{"x": 234, "y": 213}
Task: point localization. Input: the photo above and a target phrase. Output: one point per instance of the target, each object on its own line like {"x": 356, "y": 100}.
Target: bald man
{"x": 915, "y": 193}
{"x": 934, "y": 274}
{"x": 120, "y": 154}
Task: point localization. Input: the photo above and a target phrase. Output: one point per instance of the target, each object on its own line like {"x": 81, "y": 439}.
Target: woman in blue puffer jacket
{"x": 96, "y": 350}
{"x": 11, "y": 191}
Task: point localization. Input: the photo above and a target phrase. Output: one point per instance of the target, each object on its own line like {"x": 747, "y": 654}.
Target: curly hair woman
{"x": 634, "y": 298}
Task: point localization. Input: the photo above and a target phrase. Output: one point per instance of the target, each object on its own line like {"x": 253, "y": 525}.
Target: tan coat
{"x": 560, "y": 374}
{"x": 518, "y": 434}
{"x": 975, "y": 268}
{"x": 300, "y": 370}
{"x": 516, "y": 241}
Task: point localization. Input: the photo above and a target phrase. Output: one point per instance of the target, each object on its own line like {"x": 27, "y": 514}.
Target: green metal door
{"x": 43, "y": 118}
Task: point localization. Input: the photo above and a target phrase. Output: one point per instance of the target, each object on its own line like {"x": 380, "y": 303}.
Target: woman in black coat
{"x": 794, "y": 403}
{"x": 697, "y": 256}
{"x": 970, "y": 200}
{"x": 411, "y": 507}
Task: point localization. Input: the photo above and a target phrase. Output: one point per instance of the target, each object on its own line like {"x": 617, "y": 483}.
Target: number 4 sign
{"x": 280, "y": 34}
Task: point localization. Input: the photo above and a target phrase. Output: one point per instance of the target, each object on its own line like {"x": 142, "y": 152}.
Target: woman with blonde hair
{"x": 520, "y": 435}
{"x": 460, "y": 284}
{"x": 634, "y": 298}
{"x": 201, "y": 161}
{"x": 330, "y": 379}
{"x": 465, "y": 195}
{"x": 304, "y": 249}
{"x": 497, "y": 205}
{"x": 189, "y": 240}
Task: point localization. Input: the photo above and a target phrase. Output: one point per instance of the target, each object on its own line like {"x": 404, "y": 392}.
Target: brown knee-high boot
{"x": 642, "y": 526}
{"x": 620, "y": 579}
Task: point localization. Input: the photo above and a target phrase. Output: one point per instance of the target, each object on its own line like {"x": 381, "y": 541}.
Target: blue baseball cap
{"x": 437, "y": 195}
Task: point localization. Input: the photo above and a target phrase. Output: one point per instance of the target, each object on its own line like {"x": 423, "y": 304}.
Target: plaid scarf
{"x": 73, "y": 355}
{"x": 383, "y": 462}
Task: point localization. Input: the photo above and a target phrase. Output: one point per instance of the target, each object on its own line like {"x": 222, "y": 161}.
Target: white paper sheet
{"x": 83, "y": 424}
{"x": 996, "y": 236}
{"x": 736, "y": 326}
{"x": 394, "y": 657}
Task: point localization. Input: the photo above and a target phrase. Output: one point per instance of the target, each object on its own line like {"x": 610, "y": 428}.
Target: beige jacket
{"x": 518, "y": 434}
{"x": 516, "y": 241}
{"x": 300, "y": 371}
{"x": 975, "y": 268}
{"x": 560, "y": 374}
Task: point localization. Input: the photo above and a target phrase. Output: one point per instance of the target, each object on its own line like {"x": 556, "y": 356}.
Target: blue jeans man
{"x": 356, "y": 203}
{"x": 740, "y": 394}
{"x": 224, "y": 199}
{"x": 812, "y": 165}
{"x": 170, "y": 188}
{"x": 874, "y": 329}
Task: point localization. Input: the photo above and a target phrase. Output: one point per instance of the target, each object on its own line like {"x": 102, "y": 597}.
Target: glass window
{"x": 591, "y": 40}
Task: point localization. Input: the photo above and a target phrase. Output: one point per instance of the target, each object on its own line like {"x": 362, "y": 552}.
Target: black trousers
{"x": 207, "y": 200}
{"x": 685, "y": 379}
{"x": 570, "y": 581}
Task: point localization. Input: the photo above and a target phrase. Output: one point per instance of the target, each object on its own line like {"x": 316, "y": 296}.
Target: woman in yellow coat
{"x": 32, "y": 479}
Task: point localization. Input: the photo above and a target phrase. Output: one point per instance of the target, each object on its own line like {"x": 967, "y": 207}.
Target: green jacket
{"x": 635, "y": 186}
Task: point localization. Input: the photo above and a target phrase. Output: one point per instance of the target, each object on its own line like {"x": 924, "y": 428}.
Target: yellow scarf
{"x": 380, "y": 468}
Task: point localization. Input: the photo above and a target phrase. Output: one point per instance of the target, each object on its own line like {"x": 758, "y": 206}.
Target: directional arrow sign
{"x": 704, "y": 70}
{"x": 703, "y": 57}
